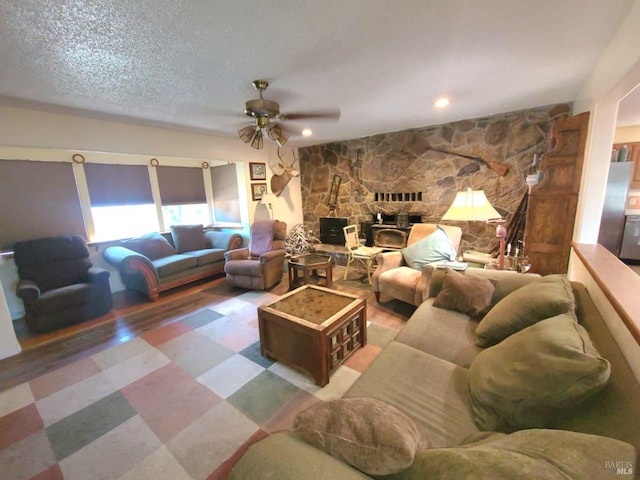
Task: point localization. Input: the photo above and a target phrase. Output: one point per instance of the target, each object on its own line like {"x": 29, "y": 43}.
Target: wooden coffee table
{"x": 314, "y": 329}
{"x": 308, "y": 265}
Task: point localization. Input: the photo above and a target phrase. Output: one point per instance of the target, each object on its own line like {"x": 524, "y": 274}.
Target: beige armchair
{"x": 393, "y": 278}
{"x": 260, "y": 266}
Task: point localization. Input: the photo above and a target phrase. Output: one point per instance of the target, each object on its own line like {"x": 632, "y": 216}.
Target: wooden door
{"x": 553, "y": 202}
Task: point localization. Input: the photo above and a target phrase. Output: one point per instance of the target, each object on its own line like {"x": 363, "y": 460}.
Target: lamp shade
{"x": 257, "y": 140}
{"x": 246, "y": 133}
{"x": 275, "y": 134}
{"x": 267, "y": 198}
{"x": 471, "y": 205}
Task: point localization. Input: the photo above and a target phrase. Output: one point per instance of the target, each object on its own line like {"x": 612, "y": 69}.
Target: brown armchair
{"x": 260, "y": 266}
{"x": 58, "y": 285}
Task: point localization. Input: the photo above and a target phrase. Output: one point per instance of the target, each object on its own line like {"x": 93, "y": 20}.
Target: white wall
{"x": 578, "y": 272}
{"x": 30, "y": 134}
{"x": 8, "y": 342}
{"x": 627, "y": 134}
{"x": 616, "y": 74}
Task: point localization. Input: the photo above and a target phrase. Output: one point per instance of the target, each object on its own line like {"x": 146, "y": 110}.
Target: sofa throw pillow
{"x": 153, "y": 246}
{"x": 435, "y": 247}
{"x": 534, "y": 374}
{"x": 468, "y": 294}
{"x": 526, "y": 455}
{"x": 188, "y": 238}
{"x": 543, "y": 298}
{"x": 371, "y": 435}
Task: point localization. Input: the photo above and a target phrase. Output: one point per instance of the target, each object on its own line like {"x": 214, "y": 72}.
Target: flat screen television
{"x": 331, "y": 230}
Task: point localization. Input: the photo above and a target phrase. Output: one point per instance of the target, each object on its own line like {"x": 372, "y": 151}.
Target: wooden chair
{"x": 357, "y": 252}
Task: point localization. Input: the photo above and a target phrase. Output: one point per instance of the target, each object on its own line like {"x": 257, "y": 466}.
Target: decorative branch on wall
{"x": 496, "y": 167}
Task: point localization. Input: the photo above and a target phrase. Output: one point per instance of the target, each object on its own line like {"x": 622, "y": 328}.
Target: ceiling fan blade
{"x": 317, "y": 115}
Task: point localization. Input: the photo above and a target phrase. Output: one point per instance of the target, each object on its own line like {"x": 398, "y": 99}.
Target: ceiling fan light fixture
{"x": 275, "y": 134}
{"x": 247, "y": 133}
{"x": 257, "y": 140}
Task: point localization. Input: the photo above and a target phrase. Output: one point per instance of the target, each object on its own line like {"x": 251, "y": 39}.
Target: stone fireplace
{"x": 398, "y": 173}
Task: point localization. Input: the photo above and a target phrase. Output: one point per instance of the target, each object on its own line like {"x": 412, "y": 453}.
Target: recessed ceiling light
{"x": 307, "y": 132}
{"x": 442, "y": 102}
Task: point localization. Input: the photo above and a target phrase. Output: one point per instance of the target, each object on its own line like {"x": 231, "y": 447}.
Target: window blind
{"x": 111, "y": 185}
{"x": 181, "y": 185}
{"x": 226, "y": 200}
{"x": 38, "y": 199}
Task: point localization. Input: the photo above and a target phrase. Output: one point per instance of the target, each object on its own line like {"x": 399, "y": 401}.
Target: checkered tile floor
{"x": 180, "y": 402}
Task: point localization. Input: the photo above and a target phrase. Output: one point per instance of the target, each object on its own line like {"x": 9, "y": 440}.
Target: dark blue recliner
{"x": 58, "y": 284}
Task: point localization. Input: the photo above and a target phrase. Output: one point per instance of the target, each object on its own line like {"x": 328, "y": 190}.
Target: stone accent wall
{"x": 395, "y": 172}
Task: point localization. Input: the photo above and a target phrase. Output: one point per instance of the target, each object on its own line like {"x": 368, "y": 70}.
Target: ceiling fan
{"x": 264, "y": 112}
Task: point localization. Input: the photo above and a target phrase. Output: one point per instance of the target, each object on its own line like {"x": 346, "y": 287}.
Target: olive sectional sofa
{"x": 537, "y": 388}
{"x": 156, "y": 262}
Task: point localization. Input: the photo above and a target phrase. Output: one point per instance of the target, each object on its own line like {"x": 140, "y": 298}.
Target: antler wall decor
{"x": 280, "y": 180}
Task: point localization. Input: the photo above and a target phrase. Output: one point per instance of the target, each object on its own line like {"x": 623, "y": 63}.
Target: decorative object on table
{"x": 258, "y": 171}
{"x": 473, "y": 206}
{"x": 300, "y": 240}
{"x": 258, "y": 190}
{"x": 358, "y": 252}
{"x": 280, "y": 180}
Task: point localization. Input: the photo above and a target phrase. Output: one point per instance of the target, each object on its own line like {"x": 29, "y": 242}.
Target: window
{"x": 121, "y": 200}
{"x": 185, "y": 214}
{"x": 226, "y": 200}
{"x": 123, "y": 221}
{"x": 37, "y": 199}
{"x": 183, "y": 197}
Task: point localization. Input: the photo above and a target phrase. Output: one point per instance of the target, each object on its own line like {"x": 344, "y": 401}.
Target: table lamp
{"x": 473, "y": 206}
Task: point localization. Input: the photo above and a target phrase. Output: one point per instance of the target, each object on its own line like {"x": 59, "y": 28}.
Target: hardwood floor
{"x": 133, "y": 314}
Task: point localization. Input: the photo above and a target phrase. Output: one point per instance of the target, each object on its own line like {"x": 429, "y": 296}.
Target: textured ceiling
{"x": 189, "y": 64}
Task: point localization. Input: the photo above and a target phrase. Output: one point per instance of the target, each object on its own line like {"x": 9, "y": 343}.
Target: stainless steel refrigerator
{"x": 630, "y": 249}
{"x": 613, "y": 218}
